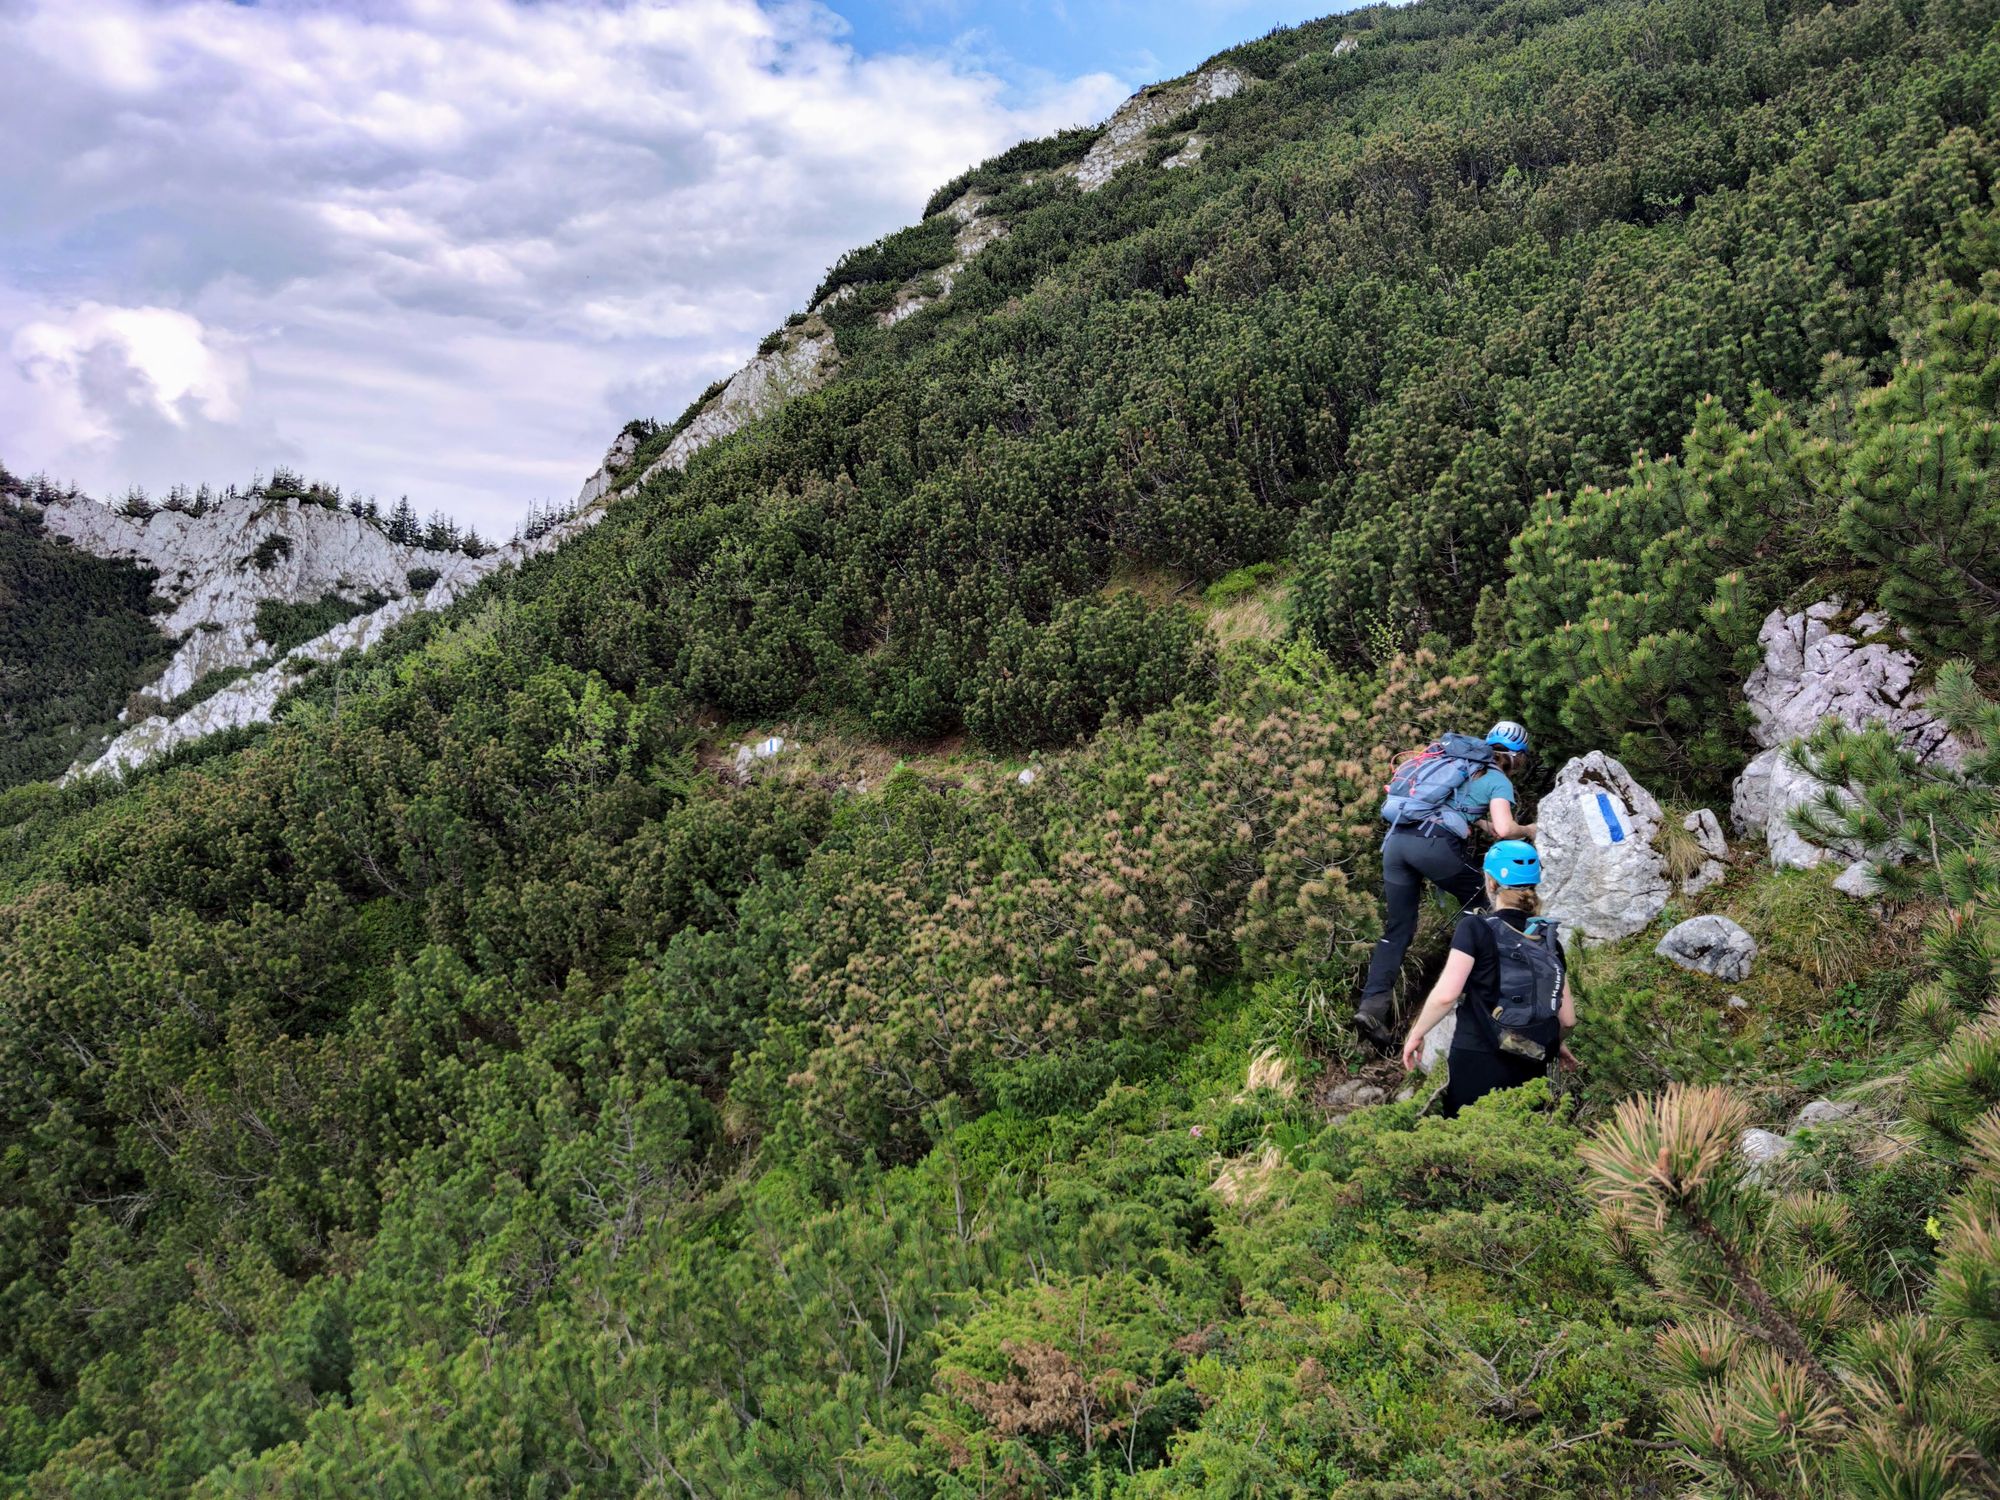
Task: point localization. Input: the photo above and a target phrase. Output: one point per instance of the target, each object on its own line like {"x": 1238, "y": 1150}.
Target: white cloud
{"x": 436, "y": 245}
{"x": 153, "y": 356}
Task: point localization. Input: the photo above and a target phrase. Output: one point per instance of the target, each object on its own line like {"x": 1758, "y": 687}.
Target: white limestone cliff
{"x": 215, "y": 568}
{"x": 1124, "y": 139}
{"x": 252, "y": 699}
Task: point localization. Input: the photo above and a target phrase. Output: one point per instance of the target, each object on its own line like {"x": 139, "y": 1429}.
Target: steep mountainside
{"x": 833, "y": 979}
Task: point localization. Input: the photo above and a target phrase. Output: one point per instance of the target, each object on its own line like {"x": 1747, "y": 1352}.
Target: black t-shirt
{"x": 1477, "y": 1031}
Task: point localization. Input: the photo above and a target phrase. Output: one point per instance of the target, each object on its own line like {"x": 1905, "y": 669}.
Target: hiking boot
{"x": 1371, "y": 1019}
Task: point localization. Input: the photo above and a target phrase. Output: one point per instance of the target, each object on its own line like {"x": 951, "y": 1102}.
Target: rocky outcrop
{"x": 1124, "y": 139}
{"x": 252, "y": 699}
{"x": 1860, "y": 881}
{"x": 1710, "y": 945}
{"x": 1824, "y": 1112}
{"x": 1355, "y": 1093}
{"x": 1813, "y": 672}
{"x": 1770, "y": 789}
{"x": 617, "y": 459}
{"x": 217, "y": 567}
{"x": 799, "y": 364}
{"x": 1437, "y": 1044}
{"x": 1602, "y": 876}
{"x": 1763, "y": 1150}
{"x": 976, "y": 231}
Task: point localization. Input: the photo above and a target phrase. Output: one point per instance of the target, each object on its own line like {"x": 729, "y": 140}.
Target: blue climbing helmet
{"x": 1514, "y": 862}
{"x": 1508, "y": 735}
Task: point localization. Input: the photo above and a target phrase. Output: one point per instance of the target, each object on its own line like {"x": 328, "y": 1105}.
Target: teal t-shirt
{"x": 1471, "y": 799}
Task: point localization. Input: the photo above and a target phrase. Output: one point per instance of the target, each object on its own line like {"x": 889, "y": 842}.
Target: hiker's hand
{"x": 1568, "y": 1057}
{"x": 1485, "y": 826}
{"x": 1413, "y": 1045}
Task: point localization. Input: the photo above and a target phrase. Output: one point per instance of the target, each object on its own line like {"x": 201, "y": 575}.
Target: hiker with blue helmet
{"x": 1508, "y": 981}
{"x": 1437, "y": 796}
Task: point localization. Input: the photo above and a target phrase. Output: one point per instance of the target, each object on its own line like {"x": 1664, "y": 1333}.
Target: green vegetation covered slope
{"x": 75, "y": 642}
{"x": 463, "y": 1086}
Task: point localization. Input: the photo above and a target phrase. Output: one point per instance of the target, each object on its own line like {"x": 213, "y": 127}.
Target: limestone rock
{"x": 1437, "y": 1043}
{"x": 1707, "y": 830}
{"x": 1811, "y": 673}
{"x": 1859, "y": 881}
{"x": 1826, "y": 1112}
{"x": 252, "y": 699}
{"x": 975, "y": 233}
{"x": 1188, "y": 155}
{"x": 1771, "y": 787}
{"x": 617, "y": 459}
{"x": 1711, "y": 945}
{"x": 1602, "y": 876}
{"x": 747, "y": 756}
{"x": 1356, "y": 1093}
{"x": 217, "y": 567}
{"x": 1737, "y": 1002}
{"x": 760, "y": 387}
{"x": 1124, "y": 139}
{"x": 1345, "y": 45}
{"x": 1762, "y": 1148}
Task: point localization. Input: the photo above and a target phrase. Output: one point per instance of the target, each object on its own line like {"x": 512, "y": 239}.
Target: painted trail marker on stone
{"x": 1606, "y": 816}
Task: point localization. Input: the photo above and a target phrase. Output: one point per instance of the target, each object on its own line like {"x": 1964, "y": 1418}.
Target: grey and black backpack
{"x": 1528, "y": 991}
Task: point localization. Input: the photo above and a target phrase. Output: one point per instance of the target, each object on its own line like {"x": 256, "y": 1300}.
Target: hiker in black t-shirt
{"x": 1509, "y": 983}
{"x": 1436, "y": 797}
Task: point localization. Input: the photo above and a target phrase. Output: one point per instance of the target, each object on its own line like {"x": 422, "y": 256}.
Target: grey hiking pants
{"x": 1409, "y": 859}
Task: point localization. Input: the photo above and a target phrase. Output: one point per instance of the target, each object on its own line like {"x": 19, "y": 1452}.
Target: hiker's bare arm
{"x": 1444, "y": 995}
{"x": 1567, "y": 1013}
{"x": 1500, "y": 813}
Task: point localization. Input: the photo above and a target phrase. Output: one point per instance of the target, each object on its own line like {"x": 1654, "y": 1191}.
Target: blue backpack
{"x": 1424, "y": 782}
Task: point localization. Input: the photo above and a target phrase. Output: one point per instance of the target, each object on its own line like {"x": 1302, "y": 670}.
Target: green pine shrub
{"x": 1055, "y": 683}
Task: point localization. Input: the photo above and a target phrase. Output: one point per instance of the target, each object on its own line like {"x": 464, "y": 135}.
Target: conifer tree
{"x": 1924, "y": 499}
{"x": 402, "y": 527}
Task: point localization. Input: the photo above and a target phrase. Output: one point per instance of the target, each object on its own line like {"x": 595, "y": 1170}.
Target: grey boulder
{"x": 1711, "y": 945}
{"x": 1859, "y": 881}
{"x": 1356, "y": 1093}
{"x": 1602, "y": 876}
{"x": 1762, "y": 1149}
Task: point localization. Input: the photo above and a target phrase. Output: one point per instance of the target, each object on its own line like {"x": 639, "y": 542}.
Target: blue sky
{"x": 448, "y": 247}
{"x": 1135, "y": 40}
